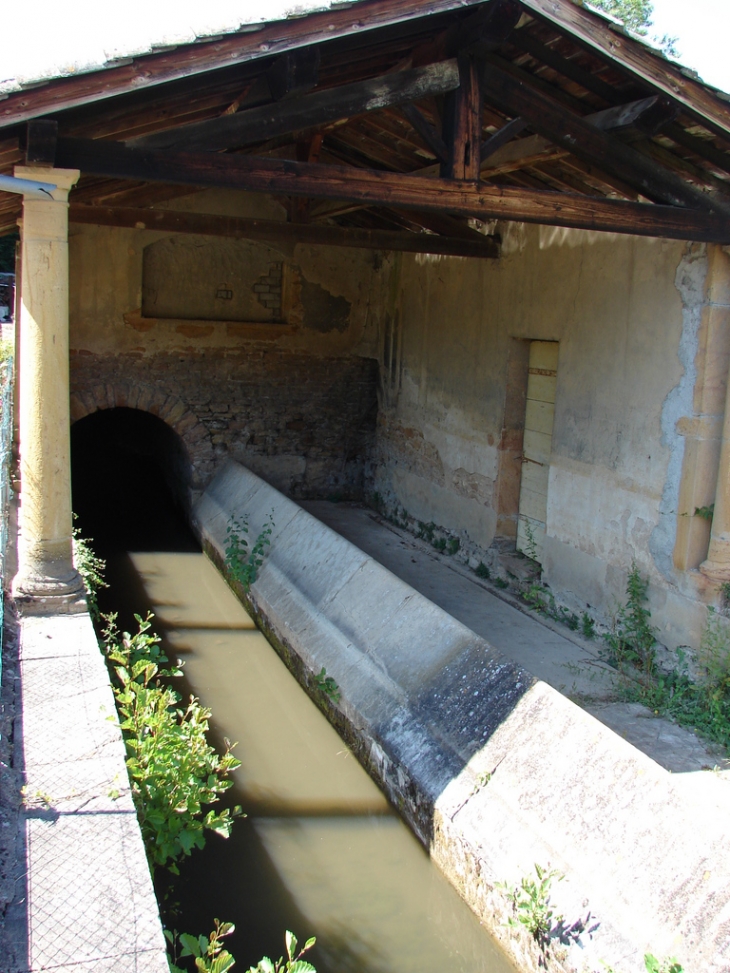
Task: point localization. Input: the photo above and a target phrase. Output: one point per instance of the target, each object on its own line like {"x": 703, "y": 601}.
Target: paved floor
{"x": 78, "y": 896}
{"x": 561, "y": 658}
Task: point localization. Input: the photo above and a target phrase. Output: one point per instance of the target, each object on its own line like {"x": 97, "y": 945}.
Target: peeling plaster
{"x": 690, "y": 282}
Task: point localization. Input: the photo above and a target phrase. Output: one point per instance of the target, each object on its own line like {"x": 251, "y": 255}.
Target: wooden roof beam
{"x": 307, "y": 111}
{"x": 374, "y": 187}
{"x": 271, "y": 231}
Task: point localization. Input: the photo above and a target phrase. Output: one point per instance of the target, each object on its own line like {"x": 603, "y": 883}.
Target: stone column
{"x": 717, "y": 565}
{"x": 46, "y": 579}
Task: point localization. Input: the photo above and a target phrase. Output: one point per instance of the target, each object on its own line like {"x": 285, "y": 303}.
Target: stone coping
{"x": 494, "y": 770}
{"x": 84, "y": 899}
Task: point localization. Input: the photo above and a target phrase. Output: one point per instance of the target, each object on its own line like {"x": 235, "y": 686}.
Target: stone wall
{"x": 640, "y": 390}
{"x": 261, "y": 354}
{"x": 305, "y": 424}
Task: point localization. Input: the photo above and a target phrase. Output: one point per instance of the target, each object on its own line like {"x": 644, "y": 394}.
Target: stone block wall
{"x": 302, "y": 422}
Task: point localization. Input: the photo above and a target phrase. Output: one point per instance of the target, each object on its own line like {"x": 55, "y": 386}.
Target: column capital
{"x": 64, "y": 179}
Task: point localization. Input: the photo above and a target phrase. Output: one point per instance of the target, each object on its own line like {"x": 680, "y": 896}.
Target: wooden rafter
{"x": 616, "y": 46}
{"x": 307, "y": 111}
{"x": 578, "y": 136}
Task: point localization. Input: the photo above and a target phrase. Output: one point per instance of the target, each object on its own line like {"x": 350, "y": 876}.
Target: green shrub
{"x": 173, "y": 770}
{"x": 243, "y": 563}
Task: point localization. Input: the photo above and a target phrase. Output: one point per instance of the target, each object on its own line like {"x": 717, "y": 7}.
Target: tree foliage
{"x": 7, "y": 253}
{"x": 636, "y": 14}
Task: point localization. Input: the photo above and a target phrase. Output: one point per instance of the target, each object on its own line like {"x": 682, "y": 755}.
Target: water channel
{"x": 321, "y": 852}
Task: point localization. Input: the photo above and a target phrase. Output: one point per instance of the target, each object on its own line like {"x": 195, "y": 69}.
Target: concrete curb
{"x": 84, "y": 900}
{"x": 432, "y": 710}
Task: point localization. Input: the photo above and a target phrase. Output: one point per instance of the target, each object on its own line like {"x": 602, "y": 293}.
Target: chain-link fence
{"x": 6, "y": 446}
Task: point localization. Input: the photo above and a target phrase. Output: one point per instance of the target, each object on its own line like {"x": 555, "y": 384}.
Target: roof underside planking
{"x": 393, "y": 124}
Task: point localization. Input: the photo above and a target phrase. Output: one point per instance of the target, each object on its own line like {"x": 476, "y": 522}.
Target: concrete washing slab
{"x": 81, "y": 893}
{"x": 564, "y": 660}
{"x": 494, "y": 769}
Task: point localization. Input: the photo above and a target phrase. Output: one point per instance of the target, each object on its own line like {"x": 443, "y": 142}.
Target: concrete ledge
{"x": 88, "y": 901}
{"x": 432, "y": 709}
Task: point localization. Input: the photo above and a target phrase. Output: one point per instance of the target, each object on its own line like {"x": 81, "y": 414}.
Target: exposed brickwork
{"x": 400, "y": 445}
{"x": 305, "y": 423}
{"x": 268, "y": 290}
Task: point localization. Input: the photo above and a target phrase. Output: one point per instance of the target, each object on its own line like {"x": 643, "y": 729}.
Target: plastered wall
{"x": 628, "y": 315}
{"x": 261, "y": 353}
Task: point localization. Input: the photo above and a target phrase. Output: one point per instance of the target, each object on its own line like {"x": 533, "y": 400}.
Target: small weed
{"x": 482, "y": 571}
{"x": 670, "y": 965}
{"x": 703, "y": 704}
{"x": 7, "y": 349}
{"x": 531, "y": 903}
{"x": 439, "y": 544}
{"x": 91, "y": 568}
{"x": 707, "y": 513}
{"x": 327, "y": 685}
{"x": 425, "y": 531}
{"x": 481, "y": 782}
{"x": 572, "y": 621}
{"x": 243, "y": 564}
{"x": 587, "y": 626}
{"x": 632, "y": 641}
{"x": 530, "y": 545}
{"x": 538, "y": 597}
{"x": 501, "y": 583}
{"x": 453, "y": 546}
{"x": 725, "y": 594}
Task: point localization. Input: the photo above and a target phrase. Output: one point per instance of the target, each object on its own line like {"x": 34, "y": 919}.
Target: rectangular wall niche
{"x": 195, "y": 278}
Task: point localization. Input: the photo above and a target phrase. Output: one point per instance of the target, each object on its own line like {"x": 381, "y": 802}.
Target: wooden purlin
{"x": 374, "y": 187}
{"x": 170, "y": 221}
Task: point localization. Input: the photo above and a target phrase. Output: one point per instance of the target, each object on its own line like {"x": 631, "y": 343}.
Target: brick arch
{"x": 173, "y": 411}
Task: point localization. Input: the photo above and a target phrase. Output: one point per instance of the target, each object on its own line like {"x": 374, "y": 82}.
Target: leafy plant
{"x": 208, "y": 951}
{"x": 7, "y": 349}
{"x": 173, "y": 770}
{"x": 587, "y": 626}
{"x": 91, "y": 568}
{"x": 531, "y": 903}
{"x": 439, "y": 544}
{"x": 453, "y": 546}
{"x": 327, "y": 685}
{"x": 243, "y": 563}
{"x": 293, "y": 962}
{"x": 529, "y": 548}
{"x": 707, "y": 513}
{"x": 633, "y": 641}
{"x": 482, "y": 571}
{"x": 653, "y": 965}
{"x": 425, "y": 531}
{"x": 501, "y": 583}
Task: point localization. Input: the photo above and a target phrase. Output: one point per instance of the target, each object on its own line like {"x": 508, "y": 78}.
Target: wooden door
{"x": 536, "y": 447}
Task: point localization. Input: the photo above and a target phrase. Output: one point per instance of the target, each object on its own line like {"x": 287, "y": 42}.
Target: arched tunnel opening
{"x": 130, "y": 477}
